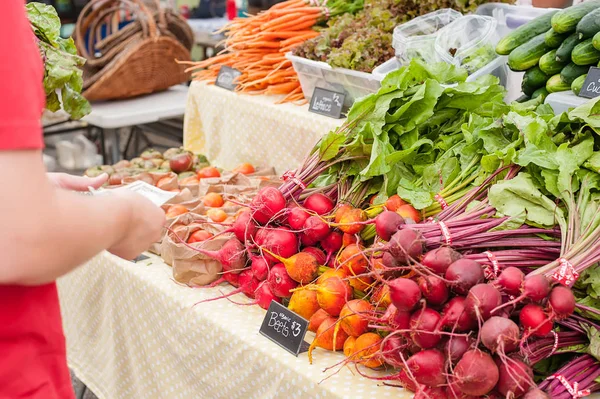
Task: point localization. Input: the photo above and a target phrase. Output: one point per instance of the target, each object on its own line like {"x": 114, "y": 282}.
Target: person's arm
{"x": 46, "y": 231}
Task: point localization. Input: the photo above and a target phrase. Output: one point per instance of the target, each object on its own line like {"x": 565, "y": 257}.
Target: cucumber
{"x": 554, "y": 39}
{"x": 527, "y": 55}
{"x": 540, "y": 92}
{"x": 533, "y": 79}
{"x": 572, "y": 72}
{"x": 566, "y": 20}
{"x": 578, "y": 84}
{"x": 563, "y": 53}
{"x": 556, "y": 84}
{"x": 596, "y": 41}
{"x": 524, "y": 33}
{"x": 549, "y": 65}
{"x": 585, "y": 53}
{"x": 589, "y": 25}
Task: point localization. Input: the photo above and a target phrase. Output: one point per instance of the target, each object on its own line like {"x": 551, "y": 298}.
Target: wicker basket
{"x": 130, "y": 48}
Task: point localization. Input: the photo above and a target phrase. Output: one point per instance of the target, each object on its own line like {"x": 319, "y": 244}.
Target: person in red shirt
{"x": 46, "y": 229}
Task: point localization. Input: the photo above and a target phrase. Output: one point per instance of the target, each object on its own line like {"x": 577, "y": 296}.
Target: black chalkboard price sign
{"x": 591, "y": 86}
{"x": 285, "y": 328}
{"x": 226, "y": 77}
{"x": 327, "y": 102}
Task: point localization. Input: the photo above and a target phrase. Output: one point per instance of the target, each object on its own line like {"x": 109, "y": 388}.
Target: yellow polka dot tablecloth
{"x": 132, "y": 332}
{"x": 232, "y": 128}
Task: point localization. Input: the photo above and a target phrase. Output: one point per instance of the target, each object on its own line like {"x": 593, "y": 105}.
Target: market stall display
{"x": 445, "y": 242}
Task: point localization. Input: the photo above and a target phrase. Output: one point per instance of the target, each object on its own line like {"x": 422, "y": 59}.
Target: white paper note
{"x": 154, "y": 194}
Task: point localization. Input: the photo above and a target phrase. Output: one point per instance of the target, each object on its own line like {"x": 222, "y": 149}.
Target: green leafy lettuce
{"x": 63, "y": 72}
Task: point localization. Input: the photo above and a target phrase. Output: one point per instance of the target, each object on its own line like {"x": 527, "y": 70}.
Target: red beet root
{"x": 387, "y": 223}
{"x": 482, "y": 300}
{"x": 423, "y": 324}
{"x": 404, "y": 293}
{"x": 434, "y": 290}
{"x": 280, "y": 282}
{"x": 464, "y": 274}
{"x": 476, "y": 373}
{"x": 440, "y": 259}
{"x": 319, "y": 203}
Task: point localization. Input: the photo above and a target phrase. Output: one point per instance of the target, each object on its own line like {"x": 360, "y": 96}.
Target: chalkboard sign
{"x": 591, "y": 86}
{"x": 285, "y": 328}
{"x": 140, "y": 258}
{"x": 327, "y": 102}
{"x": 226, "y": 78}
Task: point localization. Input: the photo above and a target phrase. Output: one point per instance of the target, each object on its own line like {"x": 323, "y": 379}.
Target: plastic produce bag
{"x": 416, "y": 39}
{"x": 468, "y": 42}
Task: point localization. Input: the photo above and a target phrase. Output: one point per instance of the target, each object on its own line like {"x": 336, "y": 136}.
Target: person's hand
{"x": 144, "y": 226}
{"x": 76, "y": 183}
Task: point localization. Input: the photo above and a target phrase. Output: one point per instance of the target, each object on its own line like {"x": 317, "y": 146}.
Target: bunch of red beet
{"x": 434, "y": 316}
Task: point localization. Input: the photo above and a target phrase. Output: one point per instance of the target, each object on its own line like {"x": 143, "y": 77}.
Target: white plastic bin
{"x": 564, "y": 100}
{"x": 353, "y": 84}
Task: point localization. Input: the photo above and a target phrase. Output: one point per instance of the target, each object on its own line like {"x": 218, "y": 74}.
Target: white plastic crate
{"x": 564, "y": 100}
{"x": 353, "y": 84}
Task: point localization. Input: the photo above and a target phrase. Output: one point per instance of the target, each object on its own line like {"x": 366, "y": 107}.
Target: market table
{"x": 132, "y": 332}
{"x": 278, "y": 135}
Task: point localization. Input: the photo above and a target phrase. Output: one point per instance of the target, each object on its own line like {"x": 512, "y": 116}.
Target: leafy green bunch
{"x": 426, "y": 133}
{"x": 61, "y": 62}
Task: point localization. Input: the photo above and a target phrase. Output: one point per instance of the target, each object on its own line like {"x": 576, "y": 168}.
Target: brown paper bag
{"x": 189, "y": 266}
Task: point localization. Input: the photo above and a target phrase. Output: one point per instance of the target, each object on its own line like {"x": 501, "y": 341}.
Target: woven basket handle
{"x": 97, "y": 10}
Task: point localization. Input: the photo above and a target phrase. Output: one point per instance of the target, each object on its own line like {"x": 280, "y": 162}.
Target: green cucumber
{"x": 540, "y": 92}
{"x": 554, "y": 39}
{"x": 585, "y": 53}
{"x": 589, "y": 25}
{"x": 563, "y": 53}
{"x": 556, "y": 84}
{"x": 527, "y": 55}
{"x": 572, "y": 72}
{"x": 566, "y": 20}
{"x": 578, "y": 84}
{"x": 549, "y": 65}
{"x": 596, "y": 41}
{"x": 524, "y": 33}
{"x": 533, "y": 79}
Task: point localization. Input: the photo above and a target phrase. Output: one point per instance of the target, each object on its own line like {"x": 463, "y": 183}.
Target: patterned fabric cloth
{"x": 231, "y": 128}
{"x": 132, "y": 333}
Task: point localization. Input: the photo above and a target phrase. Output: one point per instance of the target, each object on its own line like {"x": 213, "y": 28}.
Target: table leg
{"x": 115, "y": 150}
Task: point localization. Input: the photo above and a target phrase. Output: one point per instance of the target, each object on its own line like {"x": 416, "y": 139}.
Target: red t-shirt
{"x": 32, "y": 344}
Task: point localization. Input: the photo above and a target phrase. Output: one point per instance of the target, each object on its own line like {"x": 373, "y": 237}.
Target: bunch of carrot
{"x": 256, "y": 46}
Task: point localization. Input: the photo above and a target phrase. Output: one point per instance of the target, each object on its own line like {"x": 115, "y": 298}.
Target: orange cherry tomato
{"x": 176, "y": 210}
{"x": 199, "y": 236}
{"x": 245, "y": 169}
{"x": 216, "y": 215}
{"x": 162, "y": 182}
{"x": 209, "y": 171}
{"x": 189, "y": 180}
{"x": 213, "y": 200}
